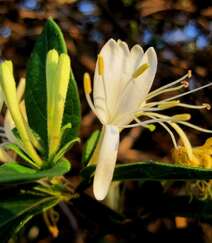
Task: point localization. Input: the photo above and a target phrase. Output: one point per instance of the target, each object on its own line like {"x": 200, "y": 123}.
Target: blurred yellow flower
{"x": 201, "y": 154}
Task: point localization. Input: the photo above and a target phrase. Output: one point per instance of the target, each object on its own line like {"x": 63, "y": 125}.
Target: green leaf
{"x": 13, "y": 172}
{"x": 64, "y": 149}
{"x": 151, "y": 170}
{"x": 35, "y": 95}
{"x": 15, "y": 212}
{"x": 89, "y": 147}
{"x": 19, "y": 152}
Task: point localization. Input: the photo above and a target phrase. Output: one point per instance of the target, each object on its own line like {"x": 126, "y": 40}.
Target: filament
{"x": 151, "y": 94}
{"x": 157, "y": 91}
{"x": 88, "y": 98}
{"x": 195, "y": 127}
{"x": 169, "y": 132}
{"x": 188, "y": 92}
{"x": 184, "y": 139}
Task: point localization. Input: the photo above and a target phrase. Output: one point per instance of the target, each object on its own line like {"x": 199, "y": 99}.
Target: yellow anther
{"x": 100, "y": 65}
{"x": 170, "y": 104}
{"x": 189, "y": 73}
{"x": 185, "y": 83}
{"x": 87, "y": 83}
{"x": 181, "y": 117}
{"x": 207, "y": 106}
{"x": 140, "y": 70}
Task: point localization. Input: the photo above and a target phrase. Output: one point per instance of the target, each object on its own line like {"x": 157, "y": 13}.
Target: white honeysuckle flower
{"x": 122, "y": 83}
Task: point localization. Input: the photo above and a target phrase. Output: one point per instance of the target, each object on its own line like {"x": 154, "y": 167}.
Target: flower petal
{"x": 137, "y": 89}
{"x": 136, "y": 54}
{"x": 108, "y": 85}
{"x": 106, "y": 161}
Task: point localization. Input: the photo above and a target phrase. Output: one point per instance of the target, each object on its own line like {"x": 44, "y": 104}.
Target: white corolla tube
{"x": 106, "y": 159}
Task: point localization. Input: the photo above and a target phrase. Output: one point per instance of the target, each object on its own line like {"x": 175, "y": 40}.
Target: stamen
{"x": 140, "y": 70}
{"x": 155, "y": 92}
{"x": 170, "y": 133}
{"x": 155, "y": 120}
{"x": 181, "y": 117}
{"x": 151, "y": 127}
{"x": 100, "y": 65}
{"x": 167, "y": 105}
{"x": 195, "y": 127}
{"x": 150, "y": 96}
{"x": 203, "y": 106}
{"x": 171, "y": 104}
{"x": 189, "y": 73}
{"x": 207, "y": 106}
{"x": 188, "y": 92}
{"x": 165, "y": 127}
{"x": 87, "y": 83}
{"x": 90, "y": 103}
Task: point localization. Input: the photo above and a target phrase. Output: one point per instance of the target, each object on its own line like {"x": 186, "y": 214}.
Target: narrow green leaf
{"x": 64, "y": 149}
{"x": 35, "y": 95}
{"x": 15, "y": 212}
{"x": 151, "y": 170}
{"x": 19, "y": 152}
{"x": 13, "y": 172}
{"x": 89, "y": 147}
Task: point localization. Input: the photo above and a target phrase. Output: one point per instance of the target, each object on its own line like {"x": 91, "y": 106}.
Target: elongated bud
{"x": 181, "y": 117}
{"x": 87, "y": 83}
{"x": 51, "y": 67}
{"x": 9, "y": 88}
{"x": 60, "y": 83}
{"x": 169, "y": 104}
{"x": 140, "y": 70}
{"x": 100, "y": 65}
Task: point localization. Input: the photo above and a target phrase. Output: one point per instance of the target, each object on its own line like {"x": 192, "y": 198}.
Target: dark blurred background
{"x": 180, "y": 31}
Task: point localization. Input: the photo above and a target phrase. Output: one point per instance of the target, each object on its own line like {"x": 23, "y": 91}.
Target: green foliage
{"x": 13, "y": 172}
{"x": 36, "y": 95}
{"x": 19, "y": 152}
{"x": 15, "y": 212}
{"x": 64, "y": 149}
{"x": 151, "y": 170}
{"x": 90, "y": 146}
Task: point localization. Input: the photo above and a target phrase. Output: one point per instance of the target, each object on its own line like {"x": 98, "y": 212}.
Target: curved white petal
{"x": 106, "y": 161}
{"x": 137, "y": 89}
{"x": 107, "y": 87}
{"x": 134, "y": 60}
